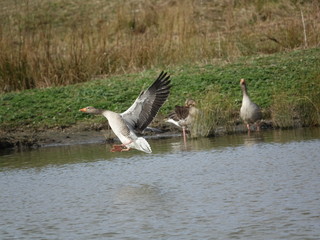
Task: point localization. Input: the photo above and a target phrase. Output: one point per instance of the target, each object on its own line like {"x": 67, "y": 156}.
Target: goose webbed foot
{"x": 119, "y": 148}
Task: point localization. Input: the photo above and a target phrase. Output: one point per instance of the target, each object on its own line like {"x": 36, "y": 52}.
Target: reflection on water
{"x": 93, "y": 152}
{"x": 262, "y": 186}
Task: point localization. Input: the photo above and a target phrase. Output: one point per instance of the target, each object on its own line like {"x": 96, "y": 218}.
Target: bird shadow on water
{"x": 138, "y": 192}
{"x": 143, "y": 197}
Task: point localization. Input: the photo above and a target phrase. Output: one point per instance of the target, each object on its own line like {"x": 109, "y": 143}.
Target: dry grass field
{"x": 50, "y": 43}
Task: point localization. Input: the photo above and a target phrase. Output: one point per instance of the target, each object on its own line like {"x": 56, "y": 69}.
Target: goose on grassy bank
{"x": 184, "y": 116}
{"x": 250, "y": 112}
{"x": 137, "y": 117}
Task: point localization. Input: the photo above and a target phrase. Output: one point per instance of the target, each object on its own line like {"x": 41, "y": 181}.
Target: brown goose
{"x": 137, "y": 117}
{"x": 184, "y": 116}
{"x": 249, "y": 112}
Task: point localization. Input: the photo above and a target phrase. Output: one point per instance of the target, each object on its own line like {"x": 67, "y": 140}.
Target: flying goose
{"x": 249, "y": 111}
{"x": 137, "y": 117}
{"x": 184, "y": 116}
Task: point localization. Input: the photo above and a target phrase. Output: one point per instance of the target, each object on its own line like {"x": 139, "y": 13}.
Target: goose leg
{"x": 184, "y": 135}
{"x": 125, "y": 149}
{"x": 248, "y": 127}
{"x": 116, "y": 148}
{"x": 120, "y": 148}
{"x": 258, "y": 127}
{"x": 124, "y": 146}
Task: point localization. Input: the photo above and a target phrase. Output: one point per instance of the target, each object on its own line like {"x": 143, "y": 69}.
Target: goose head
{"x": 243, "y": 86}
{"x": 91, "y": 110}
{"x": 190, "y": 103}
{"x": 242, "y": 82}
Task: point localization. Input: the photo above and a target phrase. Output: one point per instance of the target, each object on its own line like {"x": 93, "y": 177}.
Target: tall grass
{"x": 45, "y": 43}
{"x": 297, "y": 110}
{"x": 288, "y": 112}
{"x": 282, "y": 111}
{"x": 217, "y": 114}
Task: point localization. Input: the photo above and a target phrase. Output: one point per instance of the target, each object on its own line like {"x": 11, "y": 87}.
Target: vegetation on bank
{"x": 285, "y": 85}
{"x": 46, "y": 43}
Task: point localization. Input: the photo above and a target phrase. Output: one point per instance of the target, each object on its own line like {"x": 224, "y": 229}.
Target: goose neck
{"x": 244, "y": 90}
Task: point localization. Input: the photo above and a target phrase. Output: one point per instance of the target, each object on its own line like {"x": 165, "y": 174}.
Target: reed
{"x": 308, "y": 111}
{"x": 283, "y": 116}
{"x": 297, "y": 110}
{"x": 217, "y": 115}
{"x": 308, "y": 103}
{"x": 46, "y": 44}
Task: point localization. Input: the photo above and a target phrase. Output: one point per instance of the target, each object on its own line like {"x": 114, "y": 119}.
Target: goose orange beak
{"x": 83, "y": 110}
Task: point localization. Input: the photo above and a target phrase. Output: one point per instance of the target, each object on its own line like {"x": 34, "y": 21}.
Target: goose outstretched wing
{"x": 148, "y": 103}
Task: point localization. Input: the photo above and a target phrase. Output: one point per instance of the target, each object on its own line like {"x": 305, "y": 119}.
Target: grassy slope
{"x": 296, "y": 74}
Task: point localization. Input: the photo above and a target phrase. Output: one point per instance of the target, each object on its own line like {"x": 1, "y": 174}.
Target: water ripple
{"x": 263, "y": 186}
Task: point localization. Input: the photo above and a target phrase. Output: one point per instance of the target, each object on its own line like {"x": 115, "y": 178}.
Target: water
{"x": 262, "y": 186}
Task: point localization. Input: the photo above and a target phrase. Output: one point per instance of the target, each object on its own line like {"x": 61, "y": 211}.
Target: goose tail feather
{"x": 141, "y": 144}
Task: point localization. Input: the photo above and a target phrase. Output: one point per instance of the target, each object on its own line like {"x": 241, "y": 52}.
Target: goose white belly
{"x": 119, "y": 127}
{"x": 125, "y": 135}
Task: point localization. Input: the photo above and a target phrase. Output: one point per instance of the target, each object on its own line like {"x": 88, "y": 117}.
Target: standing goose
{"x": 249, "y": 112}
{"x": 137, "y": 117}
{"x": 184, "y": 116}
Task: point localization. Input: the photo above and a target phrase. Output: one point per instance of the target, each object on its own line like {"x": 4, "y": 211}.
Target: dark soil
{"x": 22, "y": 139}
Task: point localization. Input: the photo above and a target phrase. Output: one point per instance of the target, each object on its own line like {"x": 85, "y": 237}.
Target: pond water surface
{"x": 262, "y": 186}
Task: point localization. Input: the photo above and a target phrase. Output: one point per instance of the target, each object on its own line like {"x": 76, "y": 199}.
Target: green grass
{"x": 286, "y": 83}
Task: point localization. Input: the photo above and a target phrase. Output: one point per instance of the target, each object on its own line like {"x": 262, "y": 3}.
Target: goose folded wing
{"x": 148, "y": 103}
{"x": 179, "y": 113}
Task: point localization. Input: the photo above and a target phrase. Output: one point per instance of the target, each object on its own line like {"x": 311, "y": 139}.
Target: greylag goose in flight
{"x": 184, "y": 116}
{"x": 249, "y": 112}
{"x": 137, "y": 117}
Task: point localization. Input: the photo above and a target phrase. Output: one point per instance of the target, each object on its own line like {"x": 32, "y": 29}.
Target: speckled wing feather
{"x": 179, "y": 113}
{"x": 147, "y": 105}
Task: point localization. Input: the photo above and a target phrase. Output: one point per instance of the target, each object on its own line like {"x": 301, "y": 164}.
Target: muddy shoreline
{"x": 23, "y": 139}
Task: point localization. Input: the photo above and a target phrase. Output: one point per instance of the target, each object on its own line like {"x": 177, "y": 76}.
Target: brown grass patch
{"x": 45, "y": 43}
